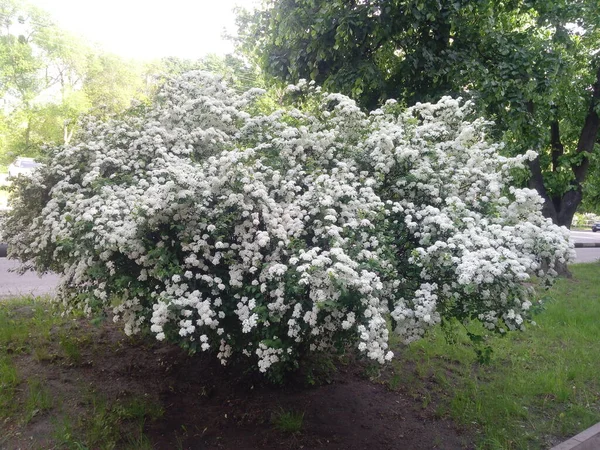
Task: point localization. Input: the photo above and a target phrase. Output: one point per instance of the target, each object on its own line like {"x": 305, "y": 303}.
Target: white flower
{"x": 329, "y": 221}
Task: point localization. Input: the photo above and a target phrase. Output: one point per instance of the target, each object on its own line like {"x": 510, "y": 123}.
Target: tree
{"x": 235, "y": 70}
{"x": 36, "y": 59}
{"x": 265, "y": 237}
{"x": 48, "y": 78}
{"x": 111, "y": 83}
{"x": 531, "y": 66}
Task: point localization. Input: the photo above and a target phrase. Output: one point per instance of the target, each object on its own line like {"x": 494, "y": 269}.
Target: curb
{"x": 586, "y": 440}
{"x": 586, "y": 244}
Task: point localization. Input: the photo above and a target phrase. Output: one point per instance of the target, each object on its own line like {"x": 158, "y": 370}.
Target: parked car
{"x": 596, "y": 227}
{"x": 22, "y": 166}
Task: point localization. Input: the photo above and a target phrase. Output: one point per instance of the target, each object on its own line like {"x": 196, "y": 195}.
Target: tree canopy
{"x": 531, "y": 66}
{"x": 49, "y": 77}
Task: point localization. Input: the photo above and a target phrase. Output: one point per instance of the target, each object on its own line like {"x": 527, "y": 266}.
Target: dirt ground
{"x": 207, "y": 406}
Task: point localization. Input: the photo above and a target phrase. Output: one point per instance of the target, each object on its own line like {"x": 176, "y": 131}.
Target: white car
{"x": 22, "y": 166}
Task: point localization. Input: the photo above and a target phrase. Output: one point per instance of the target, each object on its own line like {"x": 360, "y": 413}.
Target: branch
{"x": 589, "y": 132}
{"x": 537, "y": 182}
{"x": 558, "y": 148}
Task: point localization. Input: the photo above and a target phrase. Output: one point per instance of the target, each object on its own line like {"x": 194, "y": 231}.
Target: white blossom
{"x": 258, "y": 234}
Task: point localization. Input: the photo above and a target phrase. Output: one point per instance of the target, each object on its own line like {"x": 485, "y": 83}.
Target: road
{"x": 12, "y": 284}
{"x": 586, "y": 255}
{"x": 587, "y": 237}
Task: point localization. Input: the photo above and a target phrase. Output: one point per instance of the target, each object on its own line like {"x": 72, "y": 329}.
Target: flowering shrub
{"x": 267, "y": 236}
{"x": 2, "y": 220}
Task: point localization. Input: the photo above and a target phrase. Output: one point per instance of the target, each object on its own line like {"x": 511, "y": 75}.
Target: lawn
{"x": 539, "y": 387}
{"x": 68, "y": 383}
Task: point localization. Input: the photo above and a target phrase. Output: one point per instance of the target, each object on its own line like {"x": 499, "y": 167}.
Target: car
{"x": 596, "y": 227}
{"x": 22, "y": 166}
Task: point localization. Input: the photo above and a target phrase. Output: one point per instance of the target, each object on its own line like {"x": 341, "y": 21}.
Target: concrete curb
{"x": 586, "y": 440}
{"x": 586, "y": 244}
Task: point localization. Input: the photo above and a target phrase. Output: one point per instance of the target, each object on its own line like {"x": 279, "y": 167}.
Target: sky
{"x": 148, "y": 29}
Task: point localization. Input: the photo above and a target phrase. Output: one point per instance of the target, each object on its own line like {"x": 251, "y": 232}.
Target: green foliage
{"x": 319, "y": 369}
{"x": 236, "y": 71}
{"x": 591, "y": 188}
{"x": 528, "y": 65}
{"x": 371, "y": 51}
{"x": 111, "y": 84}
{"x": 48, "y": 78}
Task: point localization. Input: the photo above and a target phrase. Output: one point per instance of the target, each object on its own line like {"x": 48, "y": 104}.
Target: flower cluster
{"x": 269, "y": 235}
{"x": 2, "y": 220}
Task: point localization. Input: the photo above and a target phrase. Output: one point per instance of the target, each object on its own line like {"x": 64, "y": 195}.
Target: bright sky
{"x": 146, "y": 29}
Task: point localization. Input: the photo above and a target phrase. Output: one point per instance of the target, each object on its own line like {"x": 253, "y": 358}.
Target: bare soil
{"x": 208, "y": 406}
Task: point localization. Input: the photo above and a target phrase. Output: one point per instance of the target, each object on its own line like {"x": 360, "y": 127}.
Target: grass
{"x": 23, "y": 323}
{"x": 107, "y": 425}
{"x": 32, "y": 327}
{"x": 39, "y": 399}
{"x": 9, "y": 380}
{"x": 71, "y": 347}
{"x": 288, "y": 421}
{"x": 539, "y": 384}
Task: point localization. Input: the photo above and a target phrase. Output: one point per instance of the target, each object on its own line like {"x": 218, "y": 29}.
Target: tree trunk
{"x": 537, "y": 182}
{"x": 558, "y": 148}
{"x": 561, "y": 210}
{"x": 585, "y": 145}
{"x": 569, "y": 204}
{"x": 67, "y": 134}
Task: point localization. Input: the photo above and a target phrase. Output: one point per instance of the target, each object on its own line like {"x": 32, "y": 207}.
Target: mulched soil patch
{"x": 208, "y": 406}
